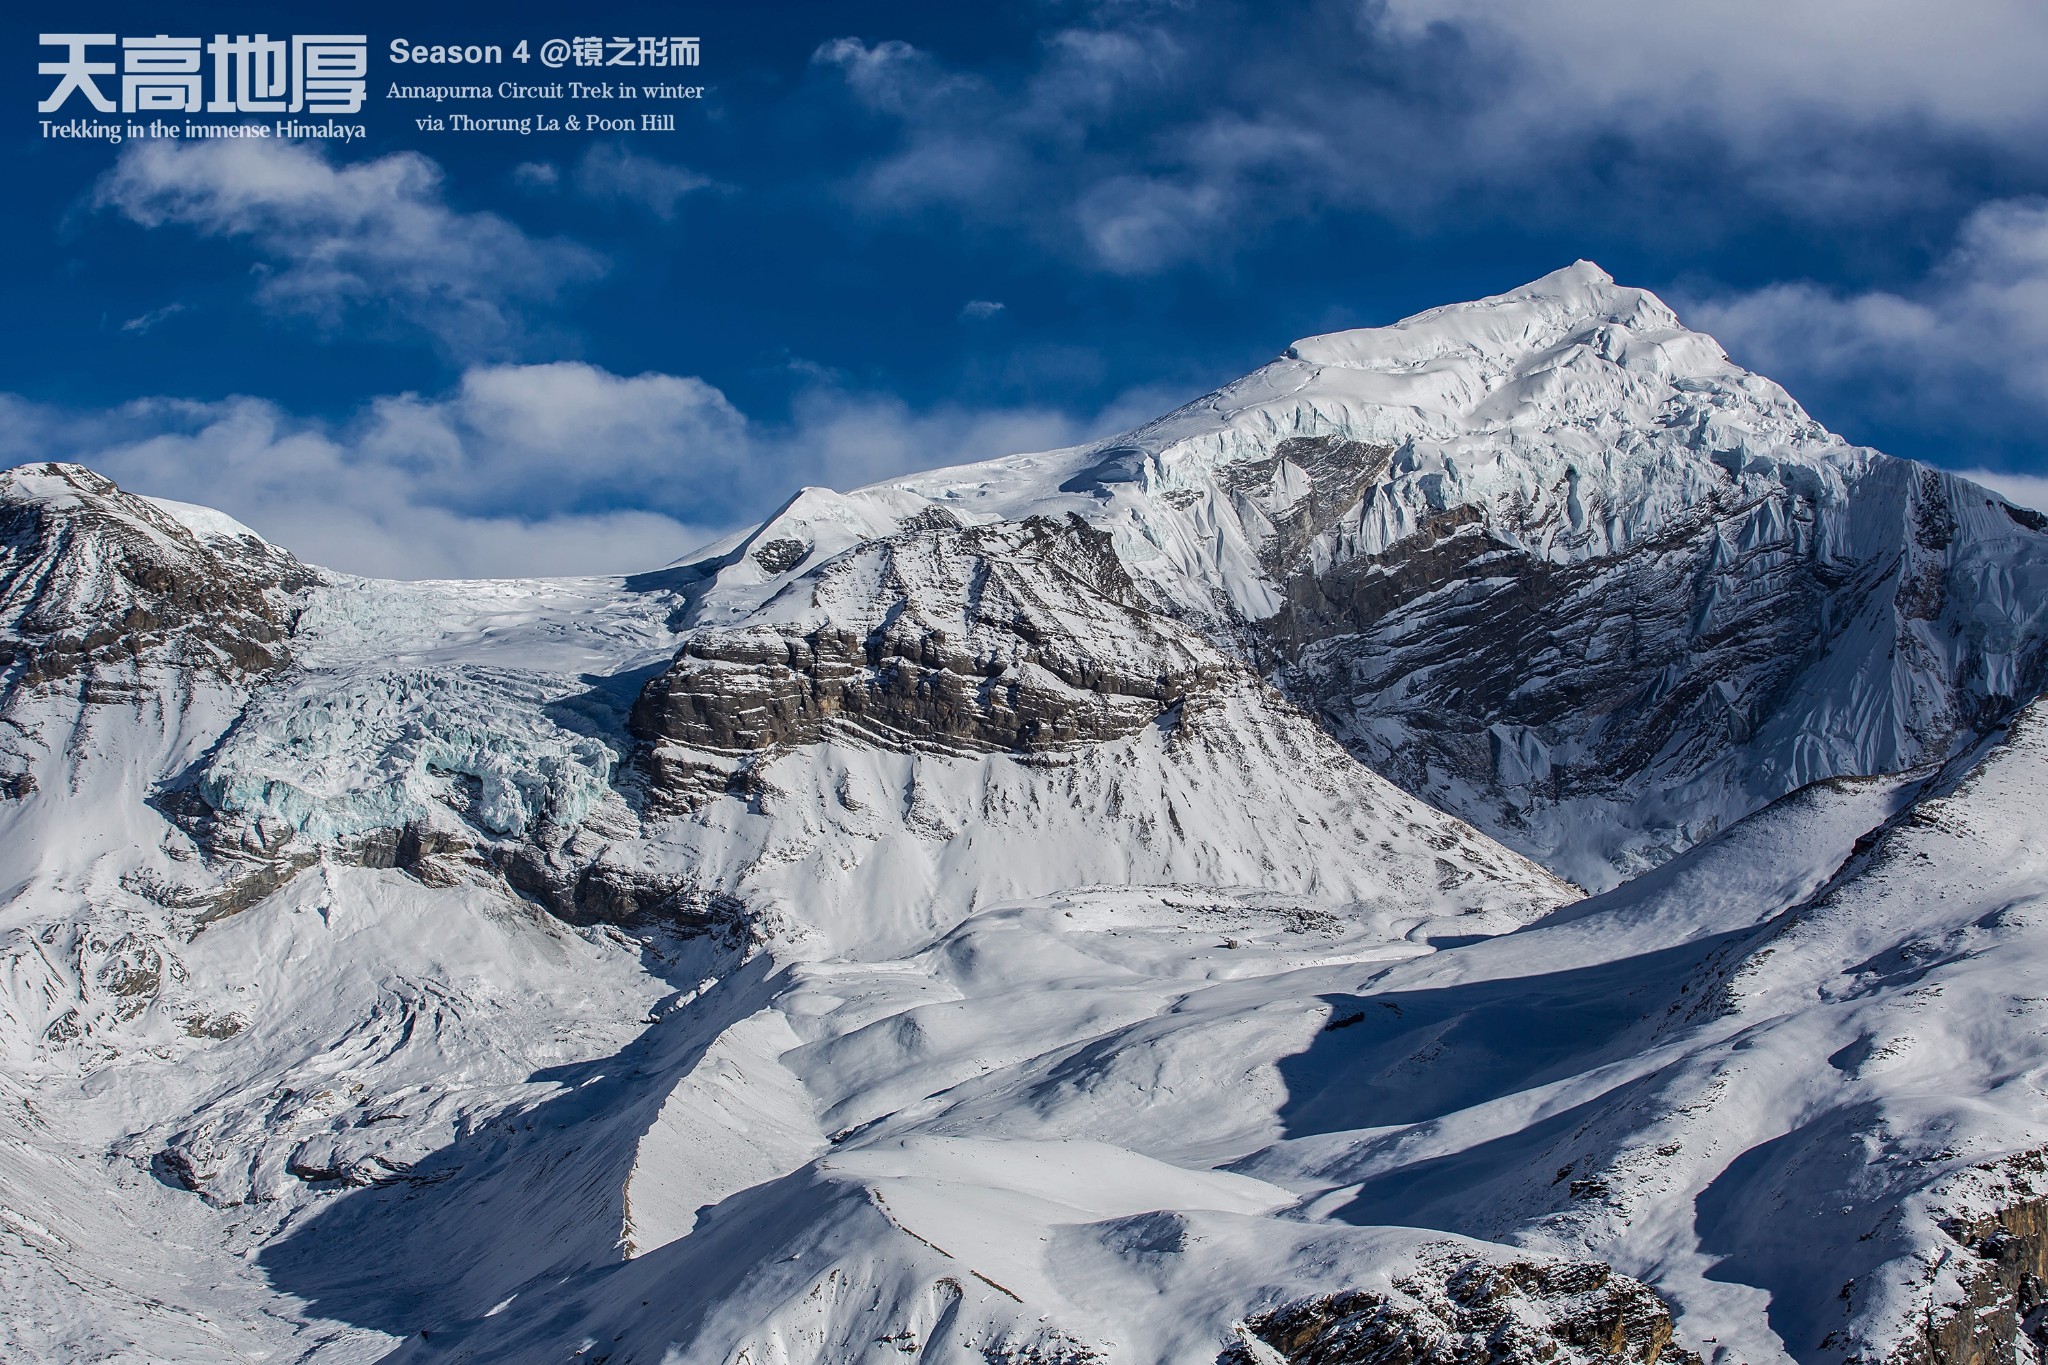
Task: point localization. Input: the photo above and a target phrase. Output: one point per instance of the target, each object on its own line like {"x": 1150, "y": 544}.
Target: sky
{"x": 892, "y": 236}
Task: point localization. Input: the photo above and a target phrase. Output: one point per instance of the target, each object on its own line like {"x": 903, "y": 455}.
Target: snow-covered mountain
{"x": 1113, "y": 904}
{"x": 1554, "y": 562}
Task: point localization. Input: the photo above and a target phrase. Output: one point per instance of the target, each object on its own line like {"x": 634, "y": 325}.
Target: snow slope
{"x": 952, "y": 921}
{"x": 235, "y": 991}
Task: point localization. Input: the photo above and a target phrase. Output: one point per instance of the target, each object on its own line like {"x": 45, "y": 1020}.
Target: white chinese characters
{"x": 634, "y": 51}
{"x": 252, "y": 73}
{"x": 160, "y": 73}
{"x": 77, "y": 73}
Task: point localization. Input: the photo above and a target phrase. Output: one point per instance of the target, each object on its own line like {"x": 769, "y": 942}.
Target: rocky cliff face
{"x": 1998, "y": 1319}
{"x": 1021, "y": 636}
{"x": 1681, "y": 678}
{"x": 1474, "y": 1313}
{"x": 1549, "y": 560}
{"x": 95, "y": 582}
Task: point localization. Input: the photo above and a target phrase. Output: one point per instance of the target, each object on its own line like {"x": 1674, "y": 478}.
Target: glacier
{"x": 335, "y": 756}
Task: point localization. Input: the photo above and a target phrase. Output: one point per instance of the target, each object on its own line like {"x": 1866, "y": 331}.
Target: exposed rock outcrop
{"x": 1477, "y": 1313}
{"x": 1999, "y": 1321}
{"x": 1017, "y": 636}
{"x": 95, "y": 581}
{"x": 1305, "y": 487}
{"x": 1502, "y": 680}
{"x": 2000, "y": 1262}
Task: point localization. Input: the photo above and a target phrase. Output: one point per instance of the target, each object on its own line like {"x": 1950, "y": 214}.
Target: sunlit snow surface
{"x": 1078, "y": 1055}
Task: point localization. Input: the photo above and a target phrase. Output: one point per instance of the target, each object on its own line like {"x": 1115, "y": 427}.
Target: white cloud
{"x": 2028, "y": 490}
{"x": 860, "y": 438}
{"x": 1749, "y": 67}
{"x": 1967, "y": 346}
{"x": 1151, "y": 136}
{"x": 536, "y": 175}
{"x": 373, "y": 239}
{"x": 892, "y": 77}
{"x": 980, "y": 309}
{"x": 984, "y": 152}
{"x": 431, "y": 542}
{"x": 561, "y": 435}
{"x": 1136, "y": 224}
{"x": 611, "y": 172}
{"x": 154, "y": 318}
{"x": 523, "y": 469}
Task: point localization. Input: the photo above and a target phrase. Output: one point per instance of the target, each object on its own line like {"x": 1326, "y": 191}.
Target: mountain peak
{"x": 54, "y": 483}
{"x": 100, "y": 580}
{"x": 1581, "y": 275}
{"x": 1563, "y": 305}
{"x": 1556, "y": 359}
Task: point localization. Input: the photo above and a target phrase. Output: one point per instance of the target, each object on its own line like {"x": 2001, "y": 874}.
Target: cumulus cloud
{"x": 1965, "y": 350}
{"x": 521, "y": 469}
{"x": 339, "y": 497}
{"x": 977, "y": 310}
{"x": 374, "y": 239}
{"x": 566, "y": 435}
{"x": 611, "y": 172}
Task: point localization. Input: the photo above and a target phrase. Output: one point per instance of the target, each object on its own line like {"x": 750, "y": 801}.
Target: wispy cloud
{"x": 612, "y": 172}
{"x": 1146, "y": 137}
{"x": 153, "y": 319}
{"x": 537, "y": 175}
{"x": 893, "y": 77}
{"x": 1748, "y": 69}
{"x": 373, "y": 241}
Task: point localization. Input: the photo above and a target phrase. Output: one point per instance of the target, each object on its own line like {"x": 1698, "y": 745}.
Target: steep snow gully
{"x": 1491, "y": 839}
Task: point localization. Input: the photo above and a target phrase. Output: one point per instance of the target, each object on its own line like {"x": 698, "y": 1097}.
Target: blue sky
{"x": 900, "y": 235}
